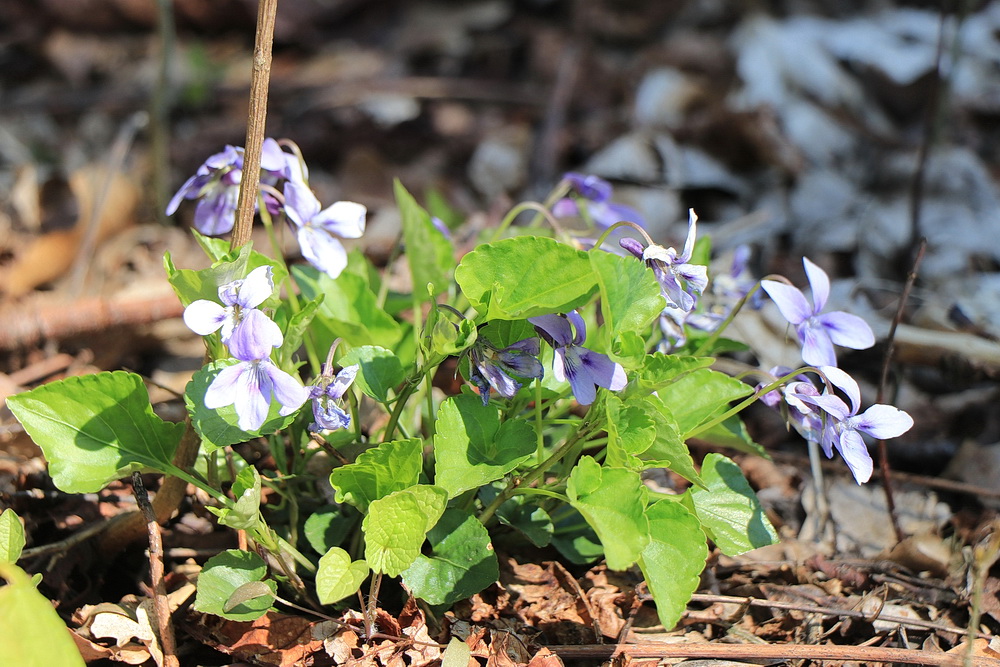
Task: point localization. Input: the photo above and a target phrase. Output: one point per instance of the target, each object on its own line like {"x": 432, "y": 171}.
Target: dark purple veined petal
{"x": 215, "y": 213}
{"x": 586, "y": 370}
{"x": 555, "y": 327}
{"x": 634, "y": 246}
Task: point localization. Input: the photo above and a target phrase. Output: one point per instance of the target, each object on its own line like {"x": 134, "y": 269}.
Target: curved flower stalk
{"x": 326, "y": 395}
{"x": 818, "y": 332}
{"x": 319, "y": 231}
{"x": 239, "y": 319}
{"x": 491, "y": 367}
{"x": 253, "y": 383}
{"x": 594, "y": 200}
{"x": 216, "y": 185}
{"x": 584, "y": 369}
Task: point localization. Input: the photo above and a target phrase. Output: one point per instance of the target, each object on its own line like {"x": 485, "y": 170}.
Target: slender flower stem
{"x": 624, "y": 223}
{"x": 701, "y": 428}
{"x": 521, "y": 208}
{"x": 404, "y": 395}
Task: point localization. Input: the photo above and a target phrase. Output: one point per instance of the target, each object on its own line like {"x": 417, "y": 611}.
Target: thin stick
{"x": 868, "y": 654}
{"x": 160, "y": 603}
{"x": 883, "y": 451}
{"x": 826, "y": 611}
{"x": 259, "y": 80}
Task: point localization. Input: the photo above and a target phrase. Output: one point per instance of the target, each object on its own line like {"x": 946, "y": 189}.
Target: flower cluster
{"x": 821, "y": 417}
{"x": 503, "y": 369}
{"x": 250, "y": 335}
{"x": 216, "y": 187}
{"x": 592, "y": 200}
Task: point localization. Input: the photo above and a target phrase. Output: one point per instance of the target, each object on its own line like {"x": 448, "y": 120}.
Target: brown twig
{"x": 160, "y": 603}
{"x": 826, "y": 611}
{"x": 24, "y": 327}
{"x": 883, "y": 450}
{"x": 260, "y": 76}
{"x": 868, "y": 654}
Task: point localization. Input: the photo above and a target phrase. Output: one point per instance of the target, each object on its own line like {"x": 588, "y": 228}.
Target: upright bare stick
{"x": 260, "y": 77}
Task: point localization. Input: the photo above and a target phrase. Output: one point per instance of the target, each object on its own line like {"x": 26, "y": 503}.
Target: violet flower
{"x": 818, "y": 333}
{"x": 239, "y": 318}
{"x": 584, "y": 369}
{"x": 254, "y": 382}
{"x": 319, "y": 231}
{"x": 595, "y": 196}
{"x": 680, "y": 281}
{"x": 491, "y": 367}
{"x": 326, "y": 394}
{"x": 217, "y": 185}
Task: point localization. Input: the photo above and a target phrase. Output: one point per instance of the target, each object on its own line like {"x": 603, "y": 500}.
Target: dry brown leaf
{"x": 49, "y": 256}
{"x": 273, "y": 639}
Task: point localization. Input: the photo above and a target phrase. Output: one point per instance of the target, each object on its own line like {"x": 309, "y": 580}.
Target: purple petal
{"x": 556, "y": 327}
{"x": 847, "y": 330}
{"x": 589, "y": 186}
{"x": 186, "y": 191}
{"x": 817, "y": 348}
{"x": 253, "y": 398}
{"x": 829, "y": 403}
{"x": 520, "y": 363}
{"x": 695, "y": 275}
{"x": 216, "y": 212}
{"x": 272, "y": 158}
{"x": 230, "y": 156}
{"x": 322, "y": 250}
{"x": 504, "y": 385}
{"x": 530, "y": 346}
{"x": 565, "y": 208}
{"x": 287, "y": 390}
{"x": 204, "y": 317}
{"x": 222, "y": 391}
{"x": 300, "y": 203}
{"x": 632, "y": 245}
{"x": 585, "y": 368}
{"x": 844, "y": 382}
{"x": 882, "y": 421}
{"x": 255, "y": 289}
{"x": 254, "y": 336}
{"x": 689, "y": 241}
{"x": 328, "y": 416}
{"x": 789, "y": 300}
{"x": 579, "y": 325}
{"x": 852, "y": 448}
{"x": 819, "y": 282}
{"x": 345, "y": 219}
{"x": 343, "y": 380}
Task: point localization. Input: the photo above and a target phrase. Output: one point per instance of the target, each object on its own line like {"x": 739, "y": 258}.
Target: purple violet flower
{"x": 584, "y": 369}
{"x": 818, "y": 333}
{"x": 680, "y": 281}
{"x": 239, "y": 318}
{"x": 326, "y": 393}
{"x": 595, "y": 195}
{"x": 320, "y": 231}
{"x": 254, "y": 382}
{"x": 490, "y": 367}
{"x": 217, "y": 185}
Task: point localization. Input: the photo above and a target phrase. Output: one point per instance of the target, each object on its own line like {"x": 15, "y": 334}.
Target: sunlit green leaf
{"x": 392, "y": 466}
{"x": 33, "y": 635}
{"x": 337, "y": 576}
{"x": 729, "y": 509}
{"x": 525, "y": 276}
{"x": 461, "y": 563}
{"x": 630, "y": 295}
{"x": 674, "y": 558}
{"x": 612, "y": 500}
{"x": 11, "y": 536}
{"x": 380, "y": 370}
{"x": 397, "y": 524}
{"x": 429, "y": 254}
{"x": 96, "y": 428}
{"x": 223, "y": 575}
